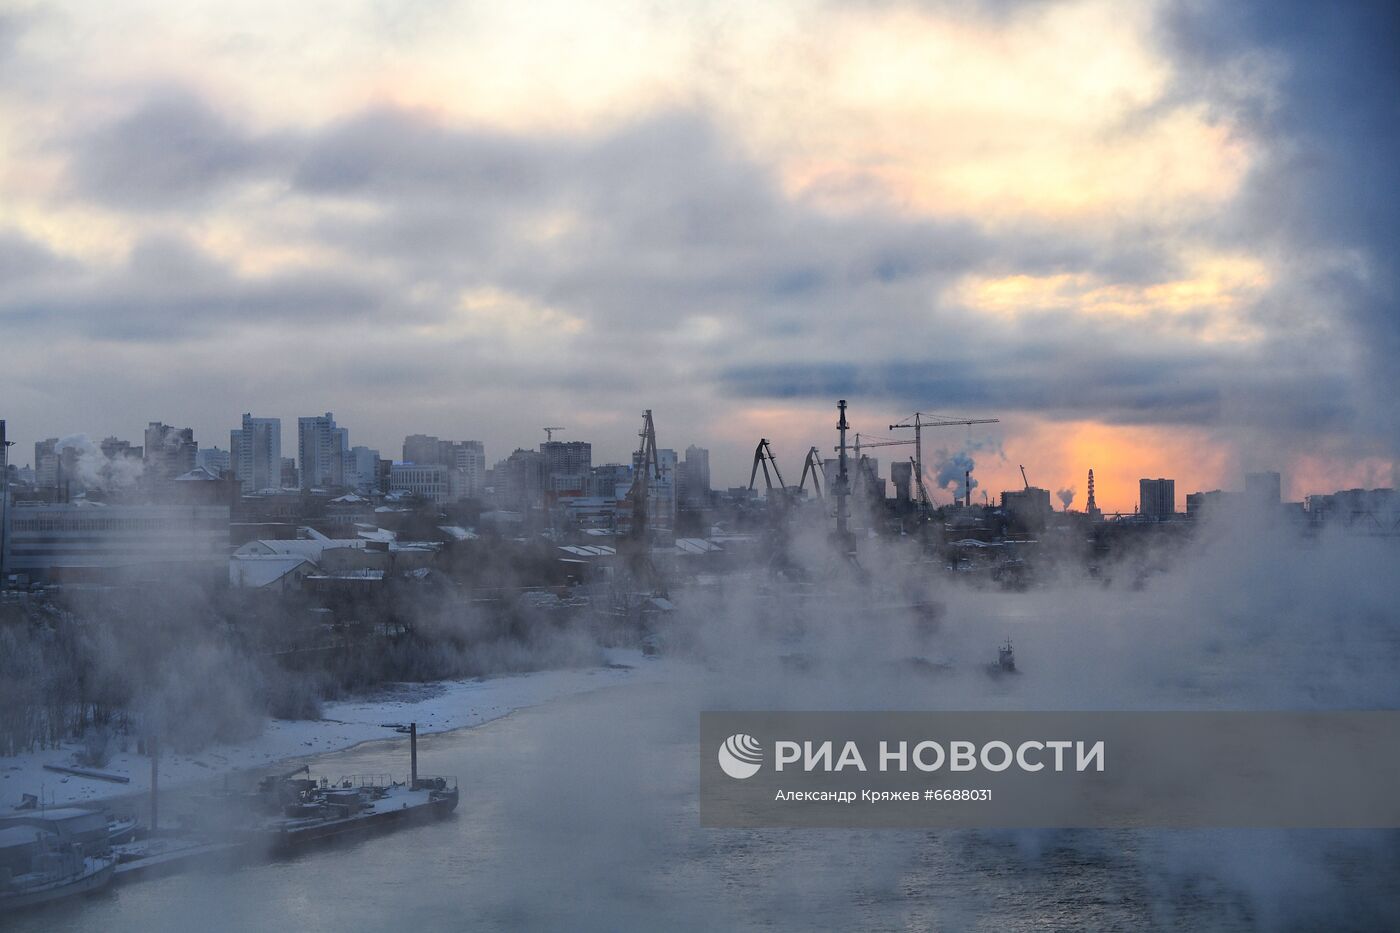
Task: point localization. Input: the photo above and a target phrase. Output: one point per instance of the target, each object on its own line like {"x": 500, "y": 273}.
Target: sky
{"x": 1152, "y": 239}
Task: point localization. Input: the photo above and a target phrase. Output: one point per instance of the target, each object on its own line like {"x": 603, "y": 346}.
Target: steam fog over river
{"x": 583, "y": 813}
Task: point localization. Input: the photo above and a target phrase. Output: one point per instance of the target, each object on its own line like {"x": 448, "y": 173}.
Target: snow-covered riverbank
{"x": 436, "y": 707}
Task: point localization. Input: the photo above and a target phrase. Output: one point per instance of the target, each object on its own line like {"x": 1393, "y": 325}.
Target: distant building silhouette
{"x": 169, "y": 452}
{"x": 1157, "y": 498}
{"x": 1263, "y": 488}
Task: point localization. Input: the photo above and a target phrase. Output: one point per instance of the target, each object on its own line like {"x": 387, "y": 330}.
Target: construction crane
{"x": 813, "y": 465}
{"x": 917, "y": 422}
{"x": 858, "y": 445}
{"x": 762, "y": 456}
{"x": 1023, "y": 477}
{"x": 549, "y": 431}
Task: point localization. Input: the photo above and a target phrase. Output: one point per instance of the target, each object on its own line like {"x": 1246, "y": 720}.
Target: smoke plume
{"x": 95, "y": 470}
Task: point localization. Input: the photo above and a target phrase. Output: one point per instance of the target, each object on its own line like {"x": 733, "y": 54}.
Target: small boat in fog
{"x": 1006, "y": 661}
{"x": 121, "y": 829}
{"x": 38, "y": 866}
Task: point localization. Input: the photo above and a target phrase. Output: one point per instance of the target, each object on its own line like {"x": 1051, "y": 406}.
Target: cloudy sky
{"x": 1153, "y": 240}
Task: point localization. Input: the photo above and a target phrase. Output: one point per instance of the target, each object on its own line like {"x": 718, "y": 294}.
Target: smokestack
{"x": 967, "y": 487}
{"x": 413, "y": 755}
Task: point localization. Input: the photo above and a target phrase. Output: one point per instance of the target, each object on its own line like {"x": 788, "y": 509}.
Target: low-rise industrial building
{"x": 88, "y": 541}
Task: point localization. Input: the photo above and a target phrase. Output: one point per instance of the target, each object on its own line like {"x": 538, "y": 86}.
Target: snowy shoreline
{"x": 438, "y": 706}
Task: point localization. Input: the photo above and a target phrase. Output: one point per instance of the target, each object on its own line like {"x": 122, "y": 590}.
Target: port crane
{"x": 762, "y": 456}
{"x": 647, "y": 470}
{"x": 813, "y": 465}
{"x": 917, "y": 422}
{"x": 635, "y": 546}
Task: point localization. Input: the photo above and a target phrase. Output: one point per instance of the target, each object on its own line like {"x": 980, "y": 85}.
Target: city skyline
{"x": 992, "y": 480}
{"x": 1146, "y": 239}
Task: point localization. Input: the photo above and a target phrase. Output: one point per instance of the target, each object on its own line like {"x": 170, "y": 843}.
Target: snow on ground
{"x": 436, "y": 707}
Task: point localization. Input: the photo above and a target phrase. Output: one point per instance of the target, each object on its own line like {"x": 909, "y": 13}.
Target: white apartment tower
{"x": 322, "y": 449}
{"x": 255, "y": 453}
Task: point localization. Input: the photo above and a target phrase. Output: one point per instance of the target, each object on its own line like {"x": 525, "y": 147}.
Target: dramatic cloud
{"x": 173, "y": 151}
{"x": 1320, "y": 194}
{"x": 1052, "y": 214}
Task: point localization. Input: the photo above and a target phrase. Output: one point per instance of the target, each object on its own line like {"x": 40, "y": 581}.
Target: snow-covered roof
{"x": 457, "y": 532}
{"x": 302, "y": 547}
{"x": 350, "y": 497}
{"x": 371, "y": 533}
{"x": 197, "y": 475}
{"x": 696, "y": 546}
{"x": 258, "y": 570}
{"x": 589, "y": 550}
{"x": 361, "y": 573}
{"x": 413, "y": 545}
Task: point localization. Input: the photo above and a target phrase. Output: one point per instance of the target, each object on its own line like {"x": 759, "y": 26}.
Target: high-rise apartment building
{"x": 322, "y": 449}
{"x": 467, "y": 457}
{"x": 46, "y": 463}
{"x": 1157, "y": 498}
{"x": 255, "y": 453}
{"x": 693, "y": 477}
{"x": 169, "y": 452}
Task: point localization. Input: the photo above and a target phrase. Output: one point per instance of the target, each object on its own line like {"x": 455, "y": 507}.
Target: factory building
{"x": 1028, "y": 508}
{"x": 96, "y": 542}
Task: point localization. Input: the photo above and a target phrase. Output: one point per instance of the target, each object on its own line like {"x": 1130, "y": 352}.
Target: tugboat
{"x": 1006, "y": 661}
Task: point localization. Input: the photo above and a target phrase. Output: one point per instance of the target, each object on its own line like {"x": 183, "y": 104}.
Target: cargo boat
{"x": 310, "y": 810}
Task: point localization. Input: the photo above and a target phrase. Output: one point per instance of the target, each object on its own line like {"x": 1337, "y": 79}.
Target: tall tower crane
{"x": 858, "y": 445}
{"x": 549, "y": 431}
{"x": 917, "y": 422}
